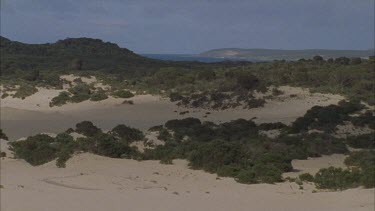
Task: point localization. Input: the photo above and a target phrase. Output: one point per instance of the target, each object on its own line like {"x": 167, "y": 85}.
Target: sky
{"x": 194, "y": 26}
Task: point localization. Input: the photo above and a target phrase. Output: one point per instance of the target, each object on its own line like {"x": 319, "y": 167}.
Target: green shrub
{"x": 98, "y": 96}
{"x": 337, "y": 179}
{"x": 61, "y": 99}
{"x": 80, "y": 88}
{"x": 36, "y": 150}
{"x": 77, "y": 98}
{"x": 127, "y": 133}
{"x": 123, "y": 94}
{"x": 25, "y": 91}
{"x": 228, "y": 171}
{"x": 87, "y": 128}
{"x": 2, "y": 135}
{"x": 246, "y": 176}
{"x": 364, "y": 141}
{"x": 3, "y": 154}
{"x": 306, "y": 177}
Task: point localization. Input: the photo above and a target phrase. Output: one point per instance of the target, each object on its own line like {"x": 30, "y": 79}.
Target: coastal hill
{"x": 70, "y": 53}
{"x": 276, "y": 54}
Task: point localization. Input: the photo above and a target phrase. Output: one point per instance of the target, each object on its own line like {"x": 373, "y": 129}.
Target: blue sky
{"x": 193, "y": 26}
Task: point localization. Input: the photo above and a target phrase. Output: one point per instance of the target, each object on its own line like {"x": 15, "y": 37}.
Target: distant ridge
{"x": 277, "y": 54}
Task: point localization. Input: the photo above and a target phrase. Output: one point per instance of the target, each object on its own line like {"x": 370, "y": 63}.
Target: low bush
{"x": 98, "y": 96}
{"x": 36, "y": 150}
{"x": 364, "y": 141}
{"x": 61, "y": 99}
{"x": 306, "y": 177}
{"x": 87, "y": 128}
{"x": 337, "y": 178}
{"x": 25, "y": 91}
{"x": 127, "y": 133}
{"x": 123, "y": 94}
{"x": 2, "y": 135}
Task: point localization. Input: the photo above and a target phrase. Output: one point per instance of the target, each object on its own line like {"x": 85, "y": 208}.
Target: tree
{"x": 318, "y": 58}
{"x": 356, "y": 61}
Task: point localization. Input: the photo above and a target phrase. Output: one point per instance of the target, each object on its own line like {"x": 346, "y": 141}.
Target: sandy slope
{"x": 33, "y": 115}
{"x": 92, "y": 183}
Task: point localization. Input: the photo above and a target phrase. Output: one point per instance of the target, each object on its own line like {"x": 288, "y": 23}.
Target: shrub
{"x": 272, "y": 126}
{"x": 247, "y": 81}
{"x": 5, "y": 95}
{"x": 206, "y": 75}
{"x": 127, "y": 133}
{"x": 365, "y": 141}
{"x": 336, "y": 178}
{"x": 356, "y": 61}
{"x": 123, "y": 94}
{"x": 277, "y": 92}
{"x": 87, "y": 128}
{"x": 80, "y": 89}
{"x": 182, "y": 124}
{"x": 3, "y": 154}
{"x": 77, "y": 98}
{"x": 156, "y": 128}
{"x": 246, "y": 176}
{"x": 36, "y": 150}
{"x": 61, "y": 99}
{"x": 175, "y": 97}
{"x": 228, "y": 171}
{"x": 267, "y": 173}
{"x": 98, "y": 96}
{"x": 306, "y": 177}
{"x": 25, "y": 91}
{"x": 2, "y": 135}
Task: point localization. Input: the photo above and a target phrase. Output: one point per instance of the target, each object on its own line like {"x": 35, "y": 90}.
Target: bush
{"x": 175, "y": 97}
{"x": 77, "y": 98}
{"x": 123, "y": 94}
{"x": 3, "y": 154}
{"x": 87, "y": 128}
{"x": 80, "y": 89}
{"x": 2, "y": 135}
{"x": 98, "y": 96}
{"x": 36, "y": 150}
{"x": 127, "y": 133}
{"x": 25, "y": 91}
{"x": 364, "y": 141}
{"x": 61, "y": 99}
{"x": 246, "y": 176}
{"x": 306, "y": 177}
{"x": 337, "y": 179}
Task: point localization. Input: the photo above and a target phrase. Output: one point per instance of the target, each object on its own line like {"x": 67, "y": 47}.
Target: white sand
{"x": 33, "y": 115}
{"x": 93, "y": 183}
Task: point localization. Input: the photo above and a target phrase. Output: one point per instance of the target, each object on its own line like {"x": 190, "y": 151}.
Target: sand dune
{"x": 33, "y": 115}
{"x": 91, "y": 182}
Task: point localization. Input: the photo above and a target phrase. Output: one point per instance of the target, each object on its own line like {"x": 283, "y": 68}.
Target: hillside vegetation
{"x": 214, "y": 85}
